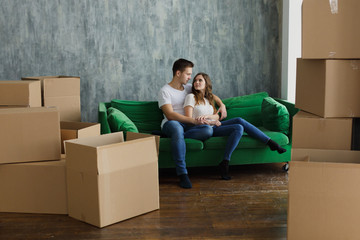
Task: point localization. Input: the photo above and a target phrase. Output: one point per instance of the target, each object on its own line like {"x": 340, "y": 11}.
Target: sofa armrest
{"x": 292, "y": 111}
{"x": 102, "y": 117}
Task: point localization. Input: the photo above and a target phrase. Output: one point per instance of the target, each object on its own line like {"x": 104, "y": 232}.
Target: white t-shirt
{"x": 199, "y": 109}
{"x": 170, "y": 95}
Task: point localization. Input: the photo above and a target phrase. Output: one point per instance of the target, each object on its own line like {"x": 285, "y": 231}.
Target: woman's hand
{"x": 202, "y": 120}
{"x": 222, "y": 110}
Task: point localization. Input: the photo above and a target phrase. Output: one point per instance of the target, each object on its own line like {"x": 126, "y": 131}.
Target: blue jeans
{"x": 178, "y": 132}
{"x": 234, "y": 129}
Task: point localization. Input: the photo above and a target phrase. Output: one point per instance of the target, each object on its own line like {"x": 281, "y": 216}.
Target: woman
{"x": 200, "y": 105}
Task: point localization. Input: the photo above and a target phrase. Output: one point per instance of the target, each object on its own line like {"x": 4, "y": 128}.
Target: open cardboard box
{"x": 74, "y": 130}
{"x": 324, "y": 194}
{"x": 38, "y": 187}
{"x": 109, "y": 179}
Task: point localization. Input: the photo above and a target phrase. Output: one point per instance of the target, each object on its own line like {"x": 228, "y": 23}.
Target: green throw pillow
{"x": 275, "y": 116}
{"x": 118, "y": 121}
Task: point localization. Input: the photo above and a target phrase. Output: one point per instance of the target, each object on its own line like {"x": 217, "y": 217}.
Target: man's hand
{"x": 201, "y": 121}
{"x": 222, "y": 110}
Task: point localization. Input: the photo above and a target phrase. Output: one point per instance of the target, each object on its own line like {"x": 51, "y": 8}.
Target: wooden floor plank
{"x": 253, "y": 205}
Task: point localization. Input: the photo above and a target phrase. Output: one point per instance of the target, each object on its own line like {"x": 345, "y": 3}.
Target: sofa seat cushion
{"x": 191, "y": 144}
{"x": 246, "y": 141}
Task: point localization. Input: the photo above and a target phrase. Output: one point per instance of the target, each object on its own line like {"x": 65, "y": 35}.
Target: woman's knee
{"x": 238, "y": 128}
{"x": 208, "y": 131}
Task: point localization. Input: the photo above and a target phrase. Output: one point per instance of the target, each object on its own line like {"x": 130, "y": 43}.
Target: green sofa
{"x": 272, "y": 116}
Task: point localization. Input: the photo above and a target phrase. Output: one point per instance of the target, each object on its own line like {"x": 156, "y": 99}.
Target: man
{"x": 175, "y": 124}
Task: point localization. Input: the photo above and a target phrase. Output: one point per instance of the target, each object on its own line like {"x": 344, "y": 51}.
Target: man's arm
{"x": 222, "y": 108}
{"x": 171, "y": 115}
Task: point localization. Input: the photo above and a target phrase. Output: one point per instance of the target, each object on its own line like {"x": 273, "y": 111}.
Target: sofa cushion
{"x": 246, "y": 100}
{"x": 191, "y": 144}
{"x": 146, "y": 115}
{"x": 275, "y": 116}
{"x": 247, "y": 141}
{"x": 118, "y": 121}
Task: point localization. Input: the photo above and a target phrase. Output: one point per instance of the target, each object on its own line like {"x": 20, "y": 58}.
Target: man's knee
{"x": 173, "y": 128}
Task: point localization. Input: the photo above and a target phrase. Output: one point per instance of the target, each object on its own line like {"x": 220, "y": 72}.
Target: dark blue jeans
{"x": 178, "y": 132}
{"x": 234, "y": 129}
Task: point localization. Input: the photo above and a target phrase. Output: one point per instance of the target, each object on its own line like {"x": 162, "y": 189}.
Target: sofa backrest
{"x": 146, "y": 115}
{"x": 247, "y": 107}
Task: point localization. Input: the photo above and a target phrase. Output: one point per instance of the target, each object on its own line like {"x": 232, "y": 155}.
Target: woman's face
{"x": 199, "y": 83}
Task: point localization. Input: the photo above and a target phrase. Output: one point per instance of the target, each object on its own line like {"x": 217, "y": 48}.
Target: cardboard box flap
{"x": 132, "y": 136}
{"x": 80, "y": 158}
{"x": 325, "y": 155}
{"x": 112, "y": 153}
{"x": 87, "y": 148}
{"x": 126, "y": 155}
{"x": 76, "y": 125}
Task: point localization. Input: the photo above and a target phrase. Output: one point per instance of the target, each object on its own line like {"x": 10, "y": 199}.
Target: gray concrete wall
{"x": 125, "y": 48}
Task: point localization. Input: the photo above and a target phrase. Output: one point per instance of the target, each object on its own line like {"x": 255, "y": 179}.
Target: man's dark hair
{"x": 180, "y": 65}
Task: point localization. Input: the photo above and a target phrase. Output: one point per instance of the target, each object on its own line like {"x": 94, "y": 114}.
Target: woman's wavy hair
{"x": 199, "y": 97}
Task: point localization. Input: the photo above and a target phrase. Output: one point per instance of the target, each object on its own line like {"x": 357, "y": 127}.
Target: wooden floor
{"x": 253, "y": 205}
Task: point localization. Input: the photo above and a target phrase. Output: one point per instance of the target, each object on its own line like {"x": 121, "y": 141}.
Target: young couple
{"x": 189, "y": 112}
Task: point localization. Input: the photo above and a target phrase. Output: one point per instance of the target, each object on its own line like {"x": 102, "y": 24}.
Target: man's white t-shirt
{"x": 199, "y": 109}
{"x": 170, "y": 95}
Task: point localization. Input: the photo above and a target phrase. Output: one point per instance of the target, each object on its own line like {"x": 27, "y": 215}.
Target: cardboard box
{"x": 110, "y": 180}
{"x": 20, "y": 93}
{"x": 74, "y": 130}
{"x": 330, "y": 29}
{"x": 29, "y": 134}
{"x": 328, "y": 88}
{"x": 324, "y": 194}
{"x": 33, "y": 187}
{"x": 311, "y": 131}
{"x": 62, "y": 92}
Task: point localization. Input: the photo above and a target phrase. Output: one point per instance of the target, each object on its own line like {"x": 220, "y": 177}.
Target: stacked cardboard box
{"x": 102, "y": 179}
{"x": 32, "y": 173}
{"x": 325, "y": 169}
{"x": 62, "y": 92}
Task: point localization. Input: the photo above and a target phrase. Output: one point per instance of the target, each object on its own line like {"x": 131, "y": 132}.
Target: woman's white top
{"x": 199, "y": 109}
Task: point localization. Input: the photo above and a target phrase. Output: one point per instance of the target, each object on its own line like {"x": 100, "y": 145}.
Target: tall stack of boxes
{"x": 325, "y": 167}
{"x": 98, "y": 179}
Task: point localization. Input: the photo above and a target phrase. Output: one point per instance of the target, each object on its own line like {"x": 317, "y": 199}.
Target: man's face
{"x": 185, "y": 76}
